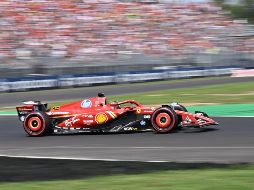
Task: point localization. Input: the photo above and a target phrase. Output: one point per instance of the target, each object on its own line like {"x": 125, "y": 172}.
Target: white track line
{"x": 80, "y": 159}
{"x": 127, "y": 148}
{"x": 108, "y": 160}
{"x": 59, "y": 158}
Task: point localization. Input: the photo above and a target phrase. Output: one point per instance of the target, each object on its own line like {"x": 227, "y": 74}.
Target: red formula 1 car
{"x": 96, "y": 115}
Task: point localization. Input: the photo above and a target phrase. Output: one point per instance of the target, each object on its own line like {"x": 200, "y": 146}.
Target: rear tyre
{"x": 164, "y": 120}
{"x": 37, "y": 124}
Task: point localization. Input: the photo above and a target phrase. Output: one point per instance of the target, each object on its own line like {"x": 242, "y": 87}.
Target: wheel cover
{"x": 34, "y": 124}
{"x": 163, "y": 120}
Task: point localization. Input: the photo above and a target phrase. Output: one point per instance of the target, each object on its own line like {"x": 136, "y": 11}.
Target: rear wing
{"x": 30, "y": 106}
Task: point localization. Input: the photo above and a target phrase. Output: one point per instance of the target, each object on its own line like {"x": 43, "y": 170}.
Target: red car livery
{"x": 96, "y": 115}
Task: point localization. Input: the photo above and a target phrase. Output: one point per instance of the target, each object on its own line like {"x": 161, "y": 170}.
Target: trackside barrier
{"x": 243, "y": 73}
{"x": 31, "y": 84}
{"x": 45, "y": 82}
{"x": 85, "y": 80}
{"x": 142, "y": 76}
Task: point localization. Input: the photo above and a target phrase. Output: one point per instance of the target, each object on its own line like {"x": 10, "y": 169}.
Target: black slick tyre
{"x": 37, "y": 124}
{"x": 164, "y": 120}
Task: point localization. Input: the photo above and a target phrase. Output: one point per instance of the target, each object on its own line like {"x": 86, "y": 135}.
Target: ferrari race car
{"x": 96, "y": 115}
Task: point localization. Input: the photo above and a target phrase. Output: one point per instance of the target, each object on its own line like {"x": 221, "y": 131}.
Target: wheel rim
{"x": 163, "y": 120}
{"x": 34, "y": 124}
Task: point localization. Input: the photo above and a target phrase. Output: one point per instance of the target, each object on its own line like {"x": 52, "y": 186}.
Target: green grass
{"x": 236, "y": 93}
{"x": 221, "y": 93}
{"x": 64, "y": 90}
{"x": 232, "y": 178}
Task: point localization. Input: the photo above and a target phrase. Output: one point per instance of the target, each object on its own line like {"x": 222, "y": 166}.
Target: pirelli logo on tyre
{"x": 101, "y": 118}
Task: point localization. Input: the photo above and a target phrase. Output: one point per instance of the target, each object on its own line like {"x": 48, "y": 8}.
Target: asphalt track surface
{"x": 13, "y": 99}
{"x": 230, "y": 142}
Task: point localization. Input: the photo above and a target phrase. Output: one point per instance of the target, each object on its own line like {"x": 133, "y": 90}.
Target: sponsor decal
{"x": 25, "y": 109}
{"x": 187, "y": 119}
{"x": 101, "y": 118}
{"x": 56, "y": 107}
{"x": 138, "y": 110}
{"x": 88, "y": 116}
{"x": 147, "y": 116}
{"x": 70, "y": 122}
{"x": 148, "y": 111}
{"x": 86, "y": 104}
{"x": 58, "y": 113}
{"x": 24, "y": 112}
{"x": 142, "y": 123}
{"x": 87, "y": 121}
{"x": 22, "y": 118}
{"x": 128, "y": 129}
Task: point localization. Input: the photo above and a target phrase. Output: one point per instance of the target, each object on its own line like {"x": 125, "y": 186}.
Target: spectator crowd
{"x": 80, "y": 28}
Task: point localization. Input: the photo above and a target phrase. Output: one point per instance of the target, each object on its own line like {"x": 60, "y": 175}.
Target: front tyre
{"x": 164, "y": 120}
{"x": 37, "y": 124}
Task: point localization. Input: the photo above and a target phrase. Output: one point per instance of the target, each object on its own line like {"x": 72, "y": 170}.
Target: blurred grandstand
{"x": 50, "y": 36}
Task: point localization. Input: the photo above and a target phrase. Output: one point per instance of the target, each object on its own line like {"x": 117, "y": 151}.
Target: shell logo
{"x": 101, "y": 118}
